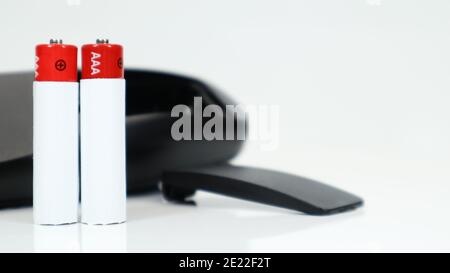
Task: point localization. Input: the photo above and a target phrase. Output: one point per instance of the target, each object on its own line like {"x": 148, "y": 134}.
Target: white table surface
{"x": 363, "y": 92}
{"x": 402, "y": 213}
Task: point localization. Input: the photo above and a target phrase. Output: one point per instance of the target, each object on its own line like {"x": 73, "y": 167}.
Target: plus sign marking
{"x": 60, "y": 65}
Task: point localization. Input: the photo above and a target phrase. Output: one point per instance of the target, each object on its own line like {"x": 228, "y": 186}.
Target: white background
{"x": 363, "y": 90}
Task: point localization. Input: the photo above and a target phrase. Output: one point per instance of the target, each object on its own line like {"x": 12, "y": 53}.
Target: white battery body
{"x": 55, "y": 152}
{"x": 103, "y": 161}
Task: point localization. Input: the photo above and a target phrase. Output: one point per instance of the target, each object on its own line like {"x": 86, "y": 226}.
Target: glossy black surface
{"x": 150, "y": 148}
{"x": 259, "y": 185}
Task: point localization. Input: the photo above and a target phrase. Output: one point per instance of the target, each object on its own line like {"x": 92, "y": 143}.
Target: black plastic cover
{"x": 259, "y": 185}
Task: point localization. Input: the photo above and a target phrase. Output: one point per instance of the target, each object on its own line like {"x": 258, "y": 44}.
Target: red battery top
{"x": 56, "y": 62}
{"x": 102, "y": 61}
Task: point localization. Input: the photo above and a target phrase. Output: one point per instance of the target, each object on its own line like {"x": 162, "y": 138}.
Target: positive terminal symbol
{"x": 60, "y": 65}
